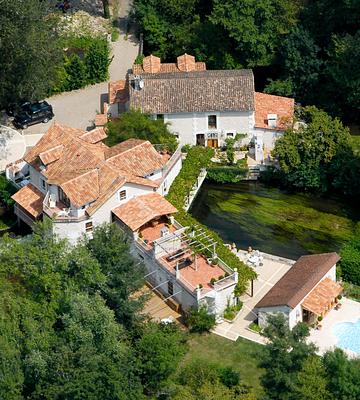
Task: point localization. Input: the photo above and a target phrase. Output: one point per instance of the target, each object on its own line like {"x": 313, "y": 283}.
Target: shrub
{"x": 255, "y": 327}
{"x": 229, "y": 377}
{"x": 135, "y": 124}
{"x": 320, "y": 318}
{"x": 224, "y": 174}
{"x": 339, "y": 297}
{"x": 200, "y": 320}
{"x": 212, "y": 281}
{"x": 97, "y": 61}
{"x": 7, "y": 189}
{"x": 76, "y": 73}
{"x": 186, "y": 148}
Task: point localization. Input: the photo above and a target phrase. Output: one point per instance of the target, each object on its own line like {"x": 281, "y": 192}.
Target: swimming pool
{"x": 348, "y": 334}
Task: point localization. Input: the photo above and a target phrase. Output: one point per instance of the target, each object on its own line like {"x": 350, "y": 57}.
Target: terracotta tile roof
{"x": 140, "y": 159}
{"x": 266, "y": 104}
{"x": 298, "y": 282}
{"x": 94, "y": 136}
{"x": 101, "y": 119}
{"x": 142, "y": 209}
{"x": 86, "y": 169}
{"x": 118, "y": 92}
{"x": 83, "y": 189}
{"x": 30, "y": 199}
{"x": 121, "y": 147}
{"x": 322, "y": 296}
{"x": 195, "y": 91}
{"x": 49, "y": 156}
{"x": 56, "y": 135}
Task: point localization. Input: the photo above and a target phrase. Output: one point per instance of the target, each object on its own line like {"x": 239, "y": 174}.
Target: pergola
{"x": 323, "y": 298}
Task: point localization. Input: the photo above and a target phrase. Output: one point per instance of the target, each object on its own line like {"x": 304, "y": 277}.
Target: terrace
{"x": 60, "y": 211}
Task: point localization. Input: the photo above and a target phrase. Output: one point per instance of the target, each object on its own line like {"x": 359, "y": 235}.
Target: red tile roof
{"x": 299, "y": 281}
{"x": 30, "y": 199}
{"x": 142, "y": 209}
{"x": 89, "y": 171}
{"x": 266, "y": 104}
{"x": 323, "y": 295}
{"x": 118, "y": 92}
{"x": 94, "y": 136}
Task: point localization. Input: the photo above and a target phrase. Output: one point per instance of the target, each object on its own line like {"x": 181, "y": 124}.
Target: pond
{"x": 273, "y": 221}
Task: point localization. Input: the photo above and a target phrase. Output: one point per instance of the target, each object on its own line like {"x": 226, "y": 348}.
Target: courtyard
{"x": 269, "y": 273}
{"x": 325, "y": 338}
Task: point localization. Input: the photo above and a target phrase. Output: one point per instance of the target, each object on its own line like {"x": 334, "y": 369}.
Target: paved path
{"x": 77, "y": 108}
{"x": 272, "y": 270}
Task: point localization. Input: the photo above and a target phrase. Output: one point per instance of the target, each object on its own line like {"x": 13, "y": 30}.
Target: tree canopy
{"x": 65, "y": 328}
{"x": 30, "y": 51}
{"x": 280, "y": 39}
{"x": 308, "y": 156}
{"x": 135, "y": 124}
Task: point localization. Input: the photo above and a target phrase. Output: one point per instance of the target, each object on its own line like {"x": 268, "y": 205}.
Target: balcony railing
{"x": 60, "y": 213}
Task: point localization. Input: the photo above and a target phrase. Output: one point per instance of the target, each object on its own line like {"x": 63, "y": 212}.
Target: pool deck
{"x": 325, "y": 339}
{"x": 269, "y": 273}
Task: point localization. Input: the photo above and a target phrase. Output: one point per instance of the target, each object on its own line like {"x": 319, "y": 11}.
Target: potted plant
{"x": 212, "y": 281}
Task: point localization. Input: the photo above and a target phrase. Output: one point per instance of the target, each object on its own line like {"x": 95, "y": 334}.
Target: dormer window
{"x": 212, "y": 122}
{"x": 43, "y": 184}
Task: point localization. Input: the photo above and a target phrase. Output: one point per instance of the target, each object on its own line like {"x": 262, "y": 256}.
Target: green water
{"x": 273, "y": 221}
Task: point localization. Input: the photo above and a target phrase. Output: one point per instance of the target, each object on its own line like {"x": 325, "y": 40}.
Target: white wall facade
{"x": 188, "y": 125}
{"x": 292, "y": 315}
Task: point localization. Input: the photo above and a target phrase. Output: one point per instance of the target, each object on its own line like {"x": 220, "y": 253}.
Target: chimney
{"x": 151, "y": 64}
{"x": 186, "y": 63}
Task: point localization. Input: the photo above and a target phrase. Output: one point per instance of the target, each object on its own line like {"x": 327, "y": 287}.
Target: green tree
{"x": 29, "y": 48}
{"x": 305, "y": 154}
{"x": 76, "y": 72}
{"x": 200, "y": 320}
{"x": 124, "y": 275}
{"x": 342, "y": 74}
{"x": 257, "y": 27}
{"x": 167, "y": 25}
{"x": 311, "y": 381}
{"x": 343, "y": 375}
{"x": 300, "y": 58}
{"x": 160, "y": 349}
{"x": 97, "y": 61}
{"x": 284, "y": 357}
{"x": 134, "y": 124}
{"x": 350, "y": 259}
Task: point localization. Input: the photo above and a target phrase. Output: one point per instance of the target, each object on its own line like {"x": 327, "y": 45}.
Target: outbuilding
{"x": 306, "y": 292}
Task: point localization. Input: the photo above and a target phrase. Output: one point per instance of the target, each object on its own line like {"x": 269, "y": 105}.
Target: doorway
{"x": 213, "y": 143}
{"x": 200, "y": 139}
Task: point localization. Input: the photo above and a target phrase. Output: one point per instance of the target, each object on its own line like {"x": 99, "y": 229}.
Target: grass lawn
{"x": 241, "y": 355}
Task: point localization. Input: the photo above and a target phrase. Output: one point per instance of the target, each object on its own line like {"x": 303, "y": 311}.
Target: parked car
{"x": 32, "y": 113}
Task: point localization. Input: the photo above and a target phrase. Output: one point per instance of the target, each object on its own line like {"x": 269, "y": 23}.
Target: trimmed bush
{"x": 200, "y": 320}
